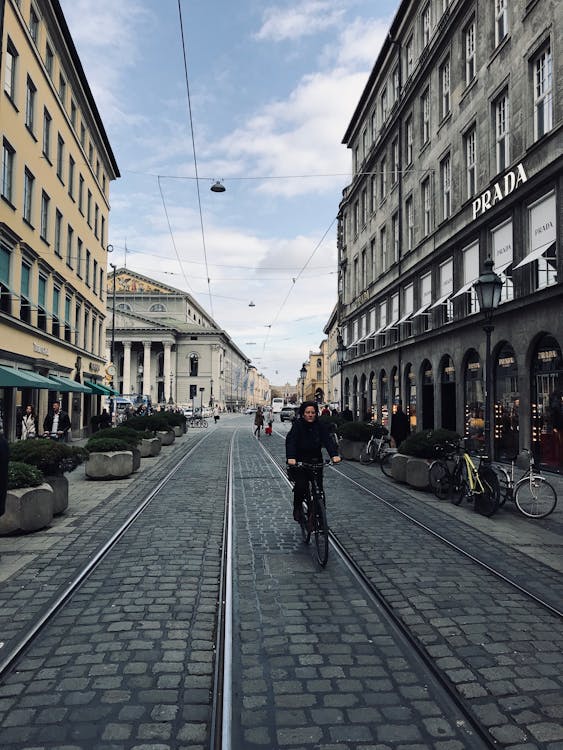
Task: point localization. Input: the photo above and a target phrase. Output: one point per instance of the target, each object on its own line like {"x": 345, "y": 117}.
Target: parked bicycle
{"x": 196, "y": 422}
{"x": 533, "y": 495}
{"x": 312, "y": 516}
{"x": 454, "y": 475}
{"x": 378, "y": 450}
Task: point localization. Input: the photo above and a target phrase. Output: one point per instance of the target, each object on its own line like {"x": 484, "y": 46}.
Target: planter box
{"x": 27, "y": 509}
{"x": 59, "y": 485}
{"x": 399, "y": 467}
{"x": 167, "y": 437}
{"x": 178, "y": 430}
{"x": 150, "y": 447}
{"x": 417, "y": 472}
{"x": 136, "y": 458}
{"x": 351, "y": 449}
{"x": 111, "y": 465}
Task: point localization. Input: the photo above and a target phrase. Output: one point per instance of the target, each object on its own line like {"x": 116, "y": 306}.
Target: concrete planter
{"x": 350, "y": 449}
{"x": 59, "y": 485}
{"x": 399, "y": 467}
{"x": 178, "y": 430}
{"x": 167, "y": 437}
{"x": 27, "y": 509}
{"x": 136, "y": 458}
{"x": 111, "y": 465}
{"x": 150, "y": 447}
{"x": 417, "y": 472}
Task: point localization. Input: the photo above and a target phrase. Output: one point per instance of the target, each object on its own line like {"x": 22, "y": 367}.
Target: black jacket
{"x": 64, "y": 422}
{"x": 305, "y": 440}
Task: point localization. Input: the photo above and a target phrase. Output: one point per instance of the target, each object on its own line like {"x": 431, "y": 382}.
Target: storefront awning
{"x": 102, "y": 390}
{"x": 465, "y": 288}
{"x": 421, "y": 311}
{"x": 534, "y": 255}
{"x": 405, "y": 317}
{"x": 442, "y": 301}
{"x": 65, "y": 385}
{"x": 12, "y": 378}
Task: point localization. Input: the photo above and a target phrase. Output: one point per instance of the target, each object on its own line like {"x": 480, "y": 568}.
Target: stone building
{"x": 57, "y": 165}
{"x": 457, "y": 146}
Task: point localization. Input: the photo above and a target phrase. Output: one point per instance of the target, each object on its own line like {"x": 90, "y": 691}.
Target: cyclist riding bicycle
{"x": 304, "y": 442}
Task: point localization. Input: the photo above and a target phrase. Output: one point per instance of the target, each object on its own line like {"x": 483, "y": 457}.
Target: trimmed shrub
{"x": 49, "y": 456}
{"x": 358, "y": 432}
{"x": 427, "y": 443}
{"x": 127, "y": 434}
{"x": 23, "y": 475}
{"x": 149, "y": 423}
{"x": 107, "y": 445}
{"x": 174, "y": 418}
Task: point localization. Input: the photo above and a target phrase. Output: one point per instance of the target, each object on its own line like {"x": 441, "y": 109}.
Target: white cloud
{"x": 305, "y": 19}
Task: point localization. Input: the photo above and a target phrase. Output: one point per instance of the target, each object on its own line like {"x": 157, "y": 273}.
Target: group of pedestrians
{"x": 261, "y": 418}
{"x": 55, "y": 425}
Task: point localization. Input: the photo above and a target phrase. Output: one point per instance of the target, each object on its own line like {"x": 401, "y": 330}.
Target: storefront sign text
{"x": 40, "y": 349}
{"x": 93, "y": 367}
{"x": 500, "y": 190}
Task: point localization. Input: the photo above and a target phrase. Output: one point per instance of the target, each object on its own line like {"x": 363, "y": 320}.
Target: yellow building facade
{"x": 57, "y": 166}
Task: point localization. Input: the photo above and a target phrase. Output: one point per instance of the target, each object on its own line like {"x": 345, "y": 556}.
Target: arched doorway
{"x": 363, "y": 397}
{"x": 346, "y": 399}
{"x": 410, "y": 396}
{"x": 547, "y": 403}
{"x": 507, "y": 403}
{"x": 447, "y": 393}
{"x": 384, "y": 398}
{"x": 474, "y": 401}
{"x": 355, "y": 397}
{"x": 427, "y": 395}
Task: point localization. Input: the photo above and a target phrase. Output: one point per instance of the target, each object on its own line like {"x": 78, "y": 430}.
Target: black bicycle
{"x": 312, "y": 513}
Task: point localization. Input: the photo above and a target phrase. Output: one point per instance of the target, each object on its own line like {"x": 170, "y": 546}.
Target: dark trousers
{"x": 300, "y": 480}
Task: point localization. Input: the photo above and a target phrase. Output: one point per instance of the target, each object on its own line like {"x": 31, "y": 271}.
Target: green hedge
{"x": 358, "y": 432}
{"x": 423, "y": 444}
{"x": 49, "y": 456}
{"x": 107, "y": 445}
{"x": 149, "y": 423}
{"x": 127, "y": 434}
{"x": 23, "y": 475}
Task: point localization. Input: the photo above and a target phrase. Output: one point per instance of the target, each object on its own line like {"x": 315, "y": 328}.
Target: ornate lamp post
{"x": 303, "y": 373}
{"x": 211, "y": 395}
{"x": 171, "y": 399}
{"x": 340, "y": 357}
{"x": 201, "y": 400}
{"x": 488, "y": 288}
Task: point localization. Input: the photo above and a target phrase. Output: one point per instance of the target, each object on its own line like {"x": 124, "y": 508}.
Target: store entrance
{"x": 427, "y": 396}
{"x": 547, "y": 404}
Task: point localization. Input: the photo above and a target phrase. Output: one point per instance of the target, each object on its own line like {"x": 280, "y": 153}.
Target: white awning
{"x": 392, "y": 324}
{"x": 534, "y": 255}
{"x": 404, "y": 318}
{"x": 465, "y": 288}
{"x": 443, "y": 299}
{"x": 502, "y": 268}
{"x": 422, "y": 310}
{"x": 373, "y": 334}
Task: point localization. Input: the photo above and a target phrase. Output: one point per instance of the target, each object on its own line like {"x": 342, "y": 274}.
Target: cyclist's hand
{"x": 336, "y": 459}
{"x": 291, "y": 461}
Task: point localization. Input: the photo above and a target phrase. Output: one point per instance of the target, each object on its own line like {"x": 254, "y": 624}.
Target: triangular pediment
{"x": 129, "y": 281}
{"x": 125, "y": 320}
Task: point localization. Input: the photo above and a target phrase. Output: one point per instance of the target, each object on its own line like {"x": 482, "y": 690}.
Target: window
{"x": 356, "y": 218}
{"x": 56, "y": 331}
{"x": 77, "y": 317}
{"x": 425, "y": 301}
{"x": 45, "y": 201}
{"x": 62, "y": 89}
{"x": 356, "y": 159}
{"x": 28, "y": 182}
{"x": 426, "y": 205}
{"x": 396, "y": 165}
{"x": 47, "y": 134}
{"x": 69, "y": 245}
{"x": 91, "y": 153}
{"x": 25, "y": 307}
{"x": 470, "y": 275}
{"x": 445, "y": 89}
{"x": 87, "y": 330}
{"x": 81, "y": 194}
{"x": 58, "y": 232}
{"x": 396, "y": 91}
{"x": 67, "y": 319}
{"x": 372, "y": 260}
{"x": 501, "y": 243}
{"x": 71, "y": 164}
{"x": 470, "y": 162}
{"x": 157, "y": 307}
{"x": 79, "y": 256}
{"x": 408, "y": 309}
{"x": 446, "y": 180}
{"x": 8, "y": 155}
{"x": 383, "y": 179}
{"x": 502, "y": 132}
{"x": 96, "y": 220}
{"x": 426, "y": 25}
{"x": 446, "y": 290}
{"x": 383, "y": 106}
{"x": 95, "y": 277}
{"x": 49, "y": 60}
{"x": 194, "y": 365}
{"x": 425, "y": 114}
{"x": 30, "y": 105}
{"x": 543, "y": 94}
{"x": 409, "y": 55}
{"x": 33, "y": 25}
{"x": 364, "y": 269}
{"x": 11, "y": 70}
{"x": 383, "y": 246}
{"x": 409, "y": 141}
{"x": 60, "y": 157}
{"x": 409, "y": 210}
{"x": 364, "y": 205}
{"x": 103, "y": 231}
{"x": 373, "y": 192}
{"x": 87, "y": 279}
{"x": 395, "y": 235}
{"x": 41, "y": 297}
{"x": 373, "y": 127}
{"x": 469, "y": 38}
{"x": 501, "y": 20}
{"x": 82, "y": 134}
{"x": 73, "y": 113}
{"x": 89, "y": 208}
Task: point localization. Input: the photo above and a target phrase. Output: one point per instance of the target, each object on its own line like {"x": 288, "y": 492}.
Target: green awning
{"x": 102, "y": 390}
{"x": 65, "y": 385}
{"x": 12, "y": 378}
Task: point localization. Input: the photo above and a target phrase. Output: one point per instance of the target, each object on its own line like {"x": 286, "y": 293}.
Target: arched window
{"x": 194, "y": 364}
{"x": 157, "y": 307}
{"x": 124, "y": 307}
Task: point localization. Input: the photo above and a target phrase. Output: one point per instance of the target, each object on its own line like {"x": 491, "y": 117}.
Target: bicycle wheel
{"x": 535, "y": 497}
{"x": 320, "y": 530}
{"x": 385, "y": 463}
{"x": 439, "y": 479}
{"x": 487, "y": 501}
{"x": 459, "y": 485}
{"x": 366, "y": 454}
{"x": 304, "y": 521}
{"x": 204, "y": 423}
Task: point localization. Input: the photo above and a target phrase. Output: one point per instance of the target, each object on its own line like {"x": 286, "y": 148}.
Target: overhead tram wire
{"x": 172, "y": 237}
{"x": 194, "y": 154}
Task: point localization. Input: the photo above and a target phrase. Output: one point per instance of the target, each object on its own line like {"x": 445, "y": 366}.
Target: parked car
{"x": 250, "y": 410}
{"x": 288, "y": 413}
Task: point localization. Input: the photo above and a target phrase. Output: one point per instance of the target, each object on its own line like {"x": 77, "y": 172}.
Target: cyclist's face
{"x": 309, "y": 414}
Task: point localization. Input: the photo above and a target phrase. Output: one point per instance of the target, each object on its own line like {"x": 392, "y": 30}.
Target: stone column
{"x": 127, "y": 367}
{"x": 147, "y": 369}
{"x": 167, "y": 371}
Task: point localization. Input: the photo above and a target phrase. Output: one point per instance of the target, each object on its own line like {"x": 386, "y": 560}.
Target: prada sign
{"x": 499, "y": 190}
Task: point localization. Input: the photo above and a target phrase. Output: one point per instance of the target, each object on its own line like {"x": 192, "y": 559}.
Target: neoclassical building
{"x": 164, "y": 345}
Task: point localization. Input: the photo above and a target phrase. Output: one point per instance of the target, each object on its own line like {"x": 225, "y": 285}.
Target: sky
{"x": 261, "y": 91}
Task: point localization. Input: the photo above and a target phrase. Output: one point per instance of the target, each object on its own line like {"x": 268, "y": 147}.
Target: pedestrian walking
{"x": 57, "y": 423}
{"x": 400, "y": 428}
{"x": 29, "y": 424}
{"x": 4, "y": 458}
{"x": 258, "y": 422}
{"x": 216, "y": 414}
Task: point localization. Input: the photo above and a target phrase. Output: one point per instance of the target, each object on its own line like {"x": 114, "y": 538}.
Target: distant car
{"x": 188, "y": 413}
{"x": 251, "y": 410}
{"x": 288, "y": 413}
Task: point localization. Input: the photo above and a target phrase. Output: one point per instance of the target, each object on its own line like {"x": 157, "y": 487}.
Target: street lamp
{"x": 211, "y": 395}
{"x": 114, "y": 267}
{"x": 303, "y": 373}
{"x": 201, "y": 400}
{"x": 171, "y": 400}
{"x": 340, "y": 357}
{"x": 488, "y": 288}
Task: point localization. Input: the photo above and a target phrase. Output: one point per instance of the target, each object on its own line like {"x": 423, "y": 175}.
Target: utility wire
{"x": 172, "y": 236}
{"x": 194, "y": 154}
